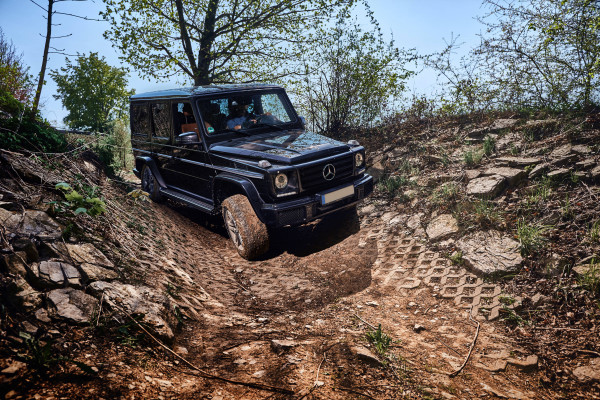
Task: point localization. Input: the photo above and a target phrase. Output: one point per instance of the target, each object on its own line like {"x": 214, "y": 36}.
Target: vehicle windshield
{"x": 245, "y": 112}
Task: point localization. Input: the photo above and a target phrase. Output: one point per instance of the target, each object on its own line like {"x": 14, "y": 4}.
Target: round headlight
{"x": 359, "y": 159}
{"x": 281, "y": 181}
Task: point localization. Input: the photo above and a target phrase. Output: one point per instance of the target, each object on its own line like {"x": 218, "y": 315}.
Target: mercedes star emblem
{"x": 329, "y": 172}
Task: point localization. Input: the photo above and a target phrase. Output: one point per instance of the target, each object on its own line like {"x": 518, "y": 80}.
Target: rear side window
{"x": 140, "y": 123}
{"x": 161, "y": 120}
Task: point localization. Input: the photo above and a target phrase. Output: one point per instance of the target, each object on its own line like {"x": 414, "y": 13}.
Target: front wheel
{"x": 150, "y": 184}
{"x": 248, "y": 234}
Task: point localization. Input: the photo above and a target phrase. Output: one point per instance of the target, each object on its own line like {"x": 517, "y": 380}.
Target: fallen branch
{"x": 595, "y": 353}
{"x": 204, "y": 374}
{"x": 542, "y": 328}
{"x": 455, "y": 373}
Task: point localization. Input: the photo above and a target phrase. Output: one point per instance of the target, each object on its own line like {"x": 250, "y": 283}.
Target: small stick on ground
{"x": 455, "y": 373}
{"x": 318, "y": 370}
{"x": 100, "y": 309}
{"x": 371, "y": 325}
{"x": 448, "y": 347}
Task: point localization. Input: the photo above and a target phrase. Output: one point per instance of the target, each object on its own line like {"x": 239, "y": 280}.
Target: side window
{"x": 140, "y": 124}
{"x": 183, "y": 118}
{"x": 214, "y": 113}
{"x": 161, "y": 120}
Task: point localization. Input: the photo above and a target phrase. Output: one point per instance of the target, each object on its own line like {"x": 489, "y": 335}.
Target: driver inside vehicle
{"x": 239, "y": 116}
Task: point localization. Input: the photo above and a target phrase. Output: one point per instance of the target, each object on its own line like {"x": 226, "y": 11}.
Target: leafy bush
{"x": 29, "y": 133}
{"x": 114, "y": 149}
{"x": 92, "y": 206}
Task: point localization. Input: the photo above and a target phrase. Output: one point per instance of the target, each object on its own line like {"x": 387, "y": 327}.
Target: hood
{"x": 286, "y": 147}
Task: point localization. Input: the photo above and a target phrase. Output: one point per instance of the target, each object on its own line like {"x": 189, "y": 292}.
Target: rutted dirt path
{"x": 297, "y": 319}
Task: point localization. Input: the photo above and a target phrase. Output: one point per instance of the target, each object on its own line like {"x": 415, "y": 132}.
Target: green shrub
{"x": 489, "y": 145}
{"x": 590, "y": 279}
{"x": 379, "y": 339}
{"x": 114, "y": 149}
{"x": 531, "y": 237}
{"x": 74, "y": 201}
{"x": 392, "y": 185}
{"x": 595, "y": 231}
{"x": 473, "y": 157}
{"x": 23, "y": 131}
{"x": 486, "y": 214}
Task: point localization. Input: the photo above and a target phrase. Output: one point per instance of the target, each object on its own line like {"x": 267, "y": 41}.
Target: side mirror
{"x": 187, "y": 138}
{"x": 303, "y": 120}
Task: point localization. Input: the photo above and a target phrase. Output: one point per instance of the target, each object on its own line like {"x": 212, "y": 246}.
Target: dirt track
{"x": 318, "y": 290}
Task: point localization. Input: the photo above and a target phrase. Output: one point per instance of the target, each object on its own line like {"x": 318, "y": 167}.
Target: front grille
{"x": 311, "y": 177}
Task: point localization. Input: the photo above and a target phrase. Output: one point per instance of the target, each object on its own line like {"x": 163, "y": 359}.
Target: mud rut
{"x": 308, "y": 291}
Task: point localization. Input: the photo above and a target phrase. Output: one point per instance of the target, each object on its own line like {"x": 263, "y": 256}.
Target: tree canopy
{"x": 215, "y": 41}
{"x": 14, "y": 75}
{"x": 352, "y": 77}
{"x": 533, "y": 54}
{"x": 93, "y": 92}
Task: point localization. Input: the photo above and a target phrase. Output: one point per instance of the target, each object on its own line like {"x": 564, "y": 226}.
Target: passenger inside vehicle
{"x": 239, "y": 116}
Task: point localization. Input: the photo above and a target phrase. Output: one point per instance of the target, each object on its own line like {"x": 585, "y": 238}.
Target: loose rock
{"x": 365, "y": 355}
{"x": 30, "y": 223}
{"x": 486, "y": 187}
{"x": 140, "y": 300}
{"x": 72, "y": 304}
{"x": 87, "y": 253}
{"x": 442, "y": 226}
{"x": 589, "y": 372}
{"x": 512, "y": 175}
{"x": 94, "y": 273}
{"x": 490, "y": 253}
{"x": 518, "y": 161}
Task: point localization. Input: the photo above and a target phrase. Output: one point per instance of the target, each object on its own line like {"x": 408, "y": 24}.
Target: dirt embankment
{"x": 466, "y": 275}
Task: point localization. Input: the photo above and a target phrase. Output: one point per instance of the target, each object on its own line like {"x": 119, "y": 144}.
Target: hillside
{"x": 469, "y": 273}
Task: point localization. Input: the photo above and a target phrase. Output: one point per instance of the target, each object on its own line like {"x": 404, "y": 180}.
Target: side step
{"x": 190, "y": 201}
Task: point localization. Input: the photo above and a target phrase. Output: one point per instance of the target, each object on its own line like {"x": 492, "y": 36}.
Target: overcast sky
{"x": 420, "y": 24}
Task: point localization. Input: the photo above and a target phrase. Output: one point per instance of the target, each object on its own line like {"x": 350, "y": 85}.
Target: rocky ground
{"x": 470, "y": 273}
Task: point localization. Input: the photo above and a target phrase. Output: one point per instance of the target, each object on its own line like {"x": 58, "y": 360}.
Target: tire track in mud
{"x": 319, "y": 274}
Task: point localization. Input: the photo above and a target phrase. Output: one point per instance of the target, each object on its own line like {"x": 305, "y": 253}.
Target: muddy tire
{"x": 150, "y": 184}
{"x": 247, "y": 233}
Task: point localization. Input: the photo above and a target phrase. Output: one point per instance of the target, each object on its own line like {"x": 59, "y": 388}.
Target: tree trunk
{"x": 206, "y": 41}
{"x": 38, "y": 92}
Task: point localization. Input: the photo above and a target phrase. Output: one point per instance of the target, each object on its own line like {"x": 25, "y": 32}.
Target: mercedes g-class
{"x": 243, "y": 152}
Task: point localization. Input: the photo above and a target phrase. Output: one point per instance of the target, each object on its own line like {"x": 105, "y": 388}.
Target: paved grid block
{"x": 405, "y": 264}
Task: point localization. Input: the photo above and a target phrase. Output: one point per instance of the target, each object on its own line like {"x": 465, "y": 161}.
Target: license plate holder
{"x": 335, "y": 195}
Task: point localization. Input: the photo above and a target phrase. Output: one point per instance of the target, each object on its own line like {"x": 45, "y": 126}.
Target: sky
{"x": 419, "y": 24}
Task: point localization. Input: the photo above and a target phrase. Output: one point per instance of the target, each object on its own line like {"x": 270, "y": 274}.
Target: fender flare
{"x": 145, "y": 160}
{"x": 247, "y": 188}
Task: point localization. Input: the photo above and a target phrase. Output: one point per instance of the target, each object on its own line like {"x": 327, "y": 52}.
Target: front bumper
{"x": 305, "y": 209}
